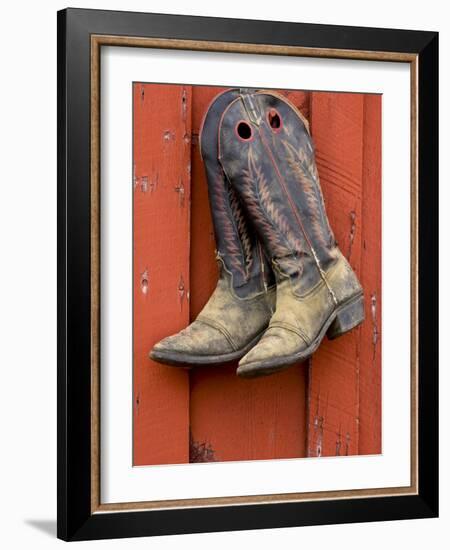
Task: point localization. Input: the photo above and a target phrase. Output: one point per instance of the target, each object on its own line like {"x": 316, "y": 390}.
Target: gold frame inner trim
{"x": 128, "y": 41}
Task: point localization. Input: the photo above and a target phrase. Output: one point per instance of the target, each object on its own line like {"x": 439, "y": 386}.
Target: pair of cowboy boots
{"x": 283, "y": 281}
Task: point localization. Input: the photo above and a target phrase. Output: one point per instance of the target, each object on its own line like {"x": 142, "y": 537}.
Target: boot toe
{"x": 276, "y": 349}
{"x": 196, "y": 340}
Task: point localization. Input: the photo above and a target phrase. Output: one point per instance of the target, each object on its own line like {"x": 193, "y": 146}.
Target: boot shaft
{"x": 267, "y": 153}
{"x": 237, "y": 243}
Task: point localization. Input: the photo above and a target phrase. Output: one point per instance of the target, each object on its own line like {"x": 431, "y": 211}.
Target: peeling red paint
{"x": 352, "y": 233}
{"x": 181, "y": 291}
{"x": 375, "y": 333}
{"x": 144, "y": 282}
{"x": 200, "y": 452}
{"x": 318, "y": 428}
{"x": 180, "y": 190}
{"x": 137, "y": 402}
{"x": 338, "y": 442}
{"x": 347, "y": 443}
{"x": 184, "y": 105}
{"x": 169, "y": 135}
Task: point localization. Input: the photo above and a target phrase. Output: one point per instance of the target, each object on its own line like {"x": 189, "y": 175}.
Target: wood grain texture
{"x": 239, "y": 47}
{"x": 237, "y": 419}
{"x": 162, "y": 125}
{"x": 232, "y": 418}
{"x": 330, "y": 405}
{"x": 370, "y": 356}
{"x": 337, "y": 123}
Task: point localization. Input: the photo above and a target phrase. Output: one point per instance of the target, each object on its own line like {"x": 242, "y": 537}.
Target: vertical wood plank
{"x": 232, "y": 418}
{"x": 337, "y": 122}
{"x": 235, "y": 419}
{"x": 162, "y": 126}
{"x": 370, "y": 357}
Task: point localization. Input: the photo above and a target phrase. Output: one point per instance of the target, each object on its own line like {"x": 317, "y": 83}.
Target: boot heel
{"x": 349, "y": 317}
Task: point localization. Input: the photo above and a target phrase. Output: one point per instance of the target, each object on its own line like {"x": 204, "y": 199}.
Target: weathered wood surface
{"x": 325, "y": 407}
{"x": 162, "y": 128}
{"x": 370, "y": 357}
{"x": 344, "y": 376}
{"x": 333, "y": 396}
{"x": 232, "y": 418}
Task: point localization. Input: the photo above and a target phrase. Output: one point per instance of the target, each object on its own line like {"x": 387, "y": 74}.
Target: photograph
{"x": 257, "y": 282}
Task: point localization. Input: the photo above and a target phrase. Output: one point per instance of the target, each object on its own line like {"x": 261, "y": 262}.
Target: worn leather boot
{"x": 267, "y": 154}
{"x": 239, "y": 310}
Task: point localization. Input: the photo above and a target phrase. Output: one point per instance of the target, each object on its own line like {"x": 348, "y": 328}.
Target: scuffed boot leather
{"x": 266, "y": 152}
{"x": 240, "y": 308}
{"x": 226, "y": 328}
{"x": 302, "y": 319}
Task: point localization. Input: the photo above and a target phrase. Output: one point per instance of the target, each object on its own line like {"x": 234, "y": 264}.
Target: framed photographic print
{"x": 247, "y": 270}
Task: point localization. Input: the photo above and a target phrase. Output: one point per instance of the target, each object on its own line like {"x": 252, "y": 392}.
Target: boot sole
{"x": 183, "y": 360}
{"x": 343, "y": 319}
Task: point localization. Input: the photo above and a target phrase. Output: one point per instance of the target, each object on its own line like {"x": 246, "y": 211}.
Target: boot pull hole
{"x": 244, "y": 130}
{"x": 274, "y": 119}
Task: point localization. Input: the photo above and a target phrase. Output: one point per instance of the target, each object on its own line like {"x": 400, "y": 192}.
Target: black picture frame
{"x": 75, "y": 518}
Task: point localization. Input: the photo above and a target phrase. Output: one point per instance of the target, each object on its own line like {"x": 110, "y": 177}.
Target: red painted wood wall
{"x": 330, "y": 405}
